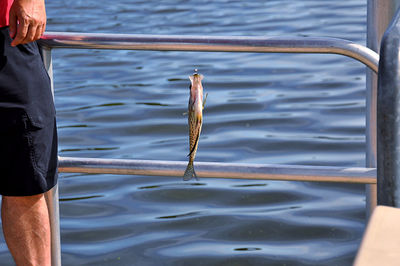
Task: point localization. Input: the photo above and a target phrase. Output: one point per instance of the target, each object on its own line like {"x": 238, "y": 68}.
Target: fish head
{"x": 196, "y": 88}
{"x": 196, "y": 77}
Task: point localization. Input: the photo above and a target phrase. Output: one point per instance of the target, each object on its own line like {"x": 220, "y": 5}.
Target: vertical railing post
{"x": 52, "y": 195}
{"x": 388, "y": 166}
{"x": 379, "y": 15}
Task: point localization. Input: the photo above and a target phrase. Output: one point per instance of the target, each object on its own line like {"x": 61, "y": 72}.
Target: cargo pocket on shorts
{"x": 40, "y": 136}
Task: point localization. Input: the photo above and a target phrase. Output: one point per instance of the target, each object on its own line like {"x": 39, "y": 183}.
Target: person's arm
{"x": 27, "y": 21}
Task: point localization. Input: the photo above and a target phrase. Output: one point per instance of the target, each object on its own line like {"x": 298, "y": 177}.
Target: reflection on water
{"x": 261, "y": 108}
{"x": 80, "y": 198}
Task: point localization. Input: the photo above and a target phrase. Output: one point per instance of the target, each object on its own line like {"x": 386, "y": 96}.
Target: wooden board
{"x": 381, "y": 240}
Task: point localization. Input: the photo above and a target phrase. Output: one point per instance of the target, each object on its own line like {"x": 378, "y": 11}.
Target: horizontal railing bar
{"x": 213, "y": 44}
{"x": 219, "y": 170}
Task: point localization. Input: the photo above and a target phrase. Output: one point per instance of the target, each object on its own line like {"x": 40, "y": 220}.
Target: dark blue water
{"x": 261, "y": 108}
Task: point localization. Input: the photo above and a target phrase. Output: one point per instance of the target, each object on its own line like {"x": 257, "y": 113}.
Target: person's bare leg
{"x": 26, "y": 229}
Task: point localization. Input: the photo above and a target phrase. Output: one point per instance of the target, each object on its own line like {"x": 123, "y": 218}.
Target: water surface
{"x": 261, "y": 108}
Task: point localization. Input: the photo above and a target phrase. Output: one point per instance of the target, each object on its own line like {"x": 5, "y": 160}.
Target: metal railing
{"x": 205, "y": 169}
{"x": 215, "y": 44}
{"x": 220, "y": 170}
{"x": 212, "y": 44}
{"x": 358, "y": 52}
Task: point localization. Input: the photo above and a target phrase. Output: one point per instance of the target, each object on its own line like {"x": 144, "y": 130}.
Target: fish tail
{"x": 189, "y": 173}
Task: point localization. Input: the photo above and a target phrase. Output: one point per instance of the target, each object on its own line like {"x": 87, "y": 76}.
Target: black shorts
{"x": 28, "y": 132}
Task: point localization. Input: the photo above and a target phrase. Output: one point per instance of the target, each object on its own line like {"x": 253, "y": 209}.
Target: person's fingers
{"x": 43, "y": 28}
{"x": 30, "y": 34}
{"x": 13, "y": 24}
{"x": 38, "y": 33}
{"x": 22, "y": 30}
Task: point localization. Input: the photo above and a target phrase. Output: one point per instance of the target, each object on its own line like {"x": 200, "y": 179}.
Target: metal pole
{"x": 379, "y": 15}
{"x": 54, "y": 215}
{"x": 249, "y": 44}
{"x": 219, "y": 170}
{"x": 389, "y": 117}
{"x": 52, "y": 195}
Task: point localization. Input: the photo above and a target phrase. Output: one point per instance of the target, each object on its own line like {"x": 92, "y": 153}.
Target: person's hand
{"x": 27, "y": 21}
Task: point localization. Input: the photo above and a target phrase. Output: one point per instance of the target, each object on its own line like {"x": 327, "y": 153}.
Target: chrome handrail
{"x": 213, "y": 44}
{"x": 220, "y": 170}
{"x": 206, "y": 169}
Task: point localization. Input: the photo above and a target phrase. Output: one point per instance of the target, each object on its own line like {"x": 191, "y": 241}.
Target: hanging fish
{"x": 195, "y": 120}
